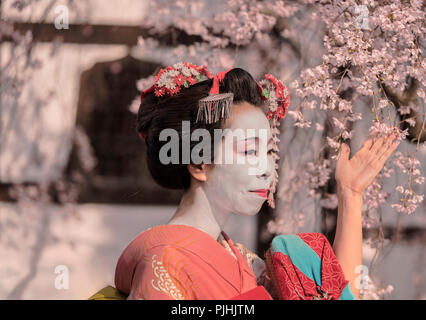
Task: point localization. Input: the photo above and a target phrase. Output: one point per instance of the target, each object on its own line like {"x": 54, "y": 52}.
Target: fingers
{"x": 381, "y": 151}
{"x": 380, "y": 143}
{"x": 344, "y": 152}
{"x": 373, "y": 151}
{"x": 386, "y": 145}
{"x": 386, "y": 154}
{"x": 366, "y": 146}
{"x": 379, "y": 160}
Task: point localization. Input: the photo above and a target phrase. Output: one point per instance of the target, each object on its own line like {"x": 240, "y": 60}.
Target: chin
{"x": 252, "y": 211}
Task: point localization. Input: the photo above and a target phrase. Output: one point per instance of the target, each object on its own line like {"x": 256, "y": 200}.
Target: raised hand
{"x": 357, "y": 173}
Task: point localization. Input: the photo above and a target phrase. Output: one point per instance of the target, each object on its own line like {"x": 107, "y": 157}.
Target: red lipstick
{"x": 262, "y": 192}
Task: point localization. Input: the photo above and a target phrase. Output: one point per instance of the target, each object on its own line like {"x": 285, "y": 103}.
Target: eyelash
{"x": 255, "y": 152}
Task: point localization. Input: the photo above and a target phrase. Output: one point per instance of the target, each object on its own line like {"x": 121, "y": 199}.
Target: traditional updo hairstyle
{"x": 158, "y": 113}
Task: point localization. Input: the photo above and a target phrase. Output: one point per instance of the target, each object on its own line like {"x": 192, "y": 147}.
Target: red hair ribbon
{"x": 217, "y": 80}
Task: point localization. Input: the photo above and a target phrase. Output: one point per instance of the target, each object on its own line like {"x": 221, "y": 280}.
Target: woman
{"x": 191, "y": 257}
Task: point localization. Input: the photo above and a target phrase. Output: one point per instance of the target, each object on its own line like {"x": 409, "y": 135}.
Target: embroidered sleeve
{"x": 162, "y": 274}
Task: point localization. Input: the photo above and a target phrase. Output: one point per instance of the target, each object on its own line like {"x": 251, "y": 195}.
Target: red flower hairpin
{"x": 170, "y": 80}
{"x": 277, "y": 98}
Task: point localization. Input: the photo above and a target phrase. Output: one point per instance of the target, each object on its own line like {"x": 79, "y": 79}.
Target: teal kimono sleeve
{"x": 304, "y": 267}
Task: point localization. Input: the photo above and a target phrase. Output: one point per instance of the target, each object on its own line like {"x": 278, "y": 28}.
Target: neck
{"x": 197, "y": 210}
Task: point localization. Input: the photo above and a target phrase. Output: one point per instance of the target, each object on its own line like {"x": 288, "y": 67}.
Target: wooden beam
{"x": 102, "y": 34}
{"x": 408, "y": 234}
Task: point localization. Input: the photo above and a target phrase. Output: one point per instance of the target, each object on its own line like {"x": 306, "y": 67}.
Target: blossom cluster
{"x": 410, "y": 200}
{"x": 371, "y": 291}
{"x": 387, "y": 49}
{"x": 315, "y": 175}
{"x": 373, "y": 197}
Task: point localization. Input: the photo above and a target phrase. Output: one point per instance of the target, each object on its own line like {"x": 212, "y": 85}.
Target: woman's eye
{"x": 254, "y": 152}
{"x": 250, "y": 152}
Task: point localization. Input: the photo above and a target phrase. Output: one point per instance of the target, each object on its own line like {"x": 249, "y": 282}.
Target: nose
{"x": 268, "y": 170}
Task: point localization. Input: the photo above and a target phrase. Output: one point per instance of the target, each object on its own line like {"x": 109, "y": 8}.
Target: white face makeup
{"x": 230, "y": 187}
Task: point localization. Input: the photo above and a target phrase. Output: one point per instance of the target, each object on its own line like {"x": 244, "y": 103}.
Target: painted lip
{"x": 261, "y": 192}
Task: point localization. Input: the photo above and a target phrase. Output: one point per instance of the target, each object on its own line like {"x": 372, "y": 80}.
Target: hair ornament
{"x": 277, "y": 99}
{"x": 169, "y": 80}
{"x": 216, "y": 106}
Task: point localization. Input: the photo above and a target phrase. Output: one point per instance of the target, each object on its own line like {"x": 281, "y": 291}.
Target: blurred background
{"x": 74, "y": 186}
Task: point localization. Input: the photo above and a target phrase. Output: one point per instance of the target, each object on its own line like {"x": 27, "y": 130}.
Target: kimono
{"x": 304, "y": 267}
{"x": 184, "y": 263}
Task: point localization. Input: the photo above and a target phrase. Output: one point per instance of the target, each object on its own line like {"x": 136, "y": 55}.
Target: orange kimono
{"x": 181, "y": 262}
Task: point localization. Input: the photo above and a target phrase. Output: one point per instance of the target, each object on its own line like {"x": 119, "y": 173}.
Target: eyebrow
{"x": 256, "y": 138}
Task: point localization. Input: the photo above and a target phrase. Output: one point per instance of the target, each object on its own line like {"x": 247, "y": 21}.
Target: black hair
{"x": 158, "y": 113}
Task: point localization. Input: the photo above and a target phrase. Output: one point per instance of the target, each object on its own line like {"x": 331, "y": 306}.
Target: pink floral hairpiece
{"x": 277, "y": 98}
{"x": 169, "y": 81}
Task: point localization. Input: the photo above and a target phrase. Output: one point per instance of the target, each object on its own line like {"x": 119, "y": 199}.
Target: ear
{"x": 198, "y": 171}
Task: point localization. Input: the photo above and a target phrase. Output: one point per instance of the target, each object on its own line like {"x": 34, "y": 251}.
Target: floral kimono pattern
{"x": 183, "y": 263}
